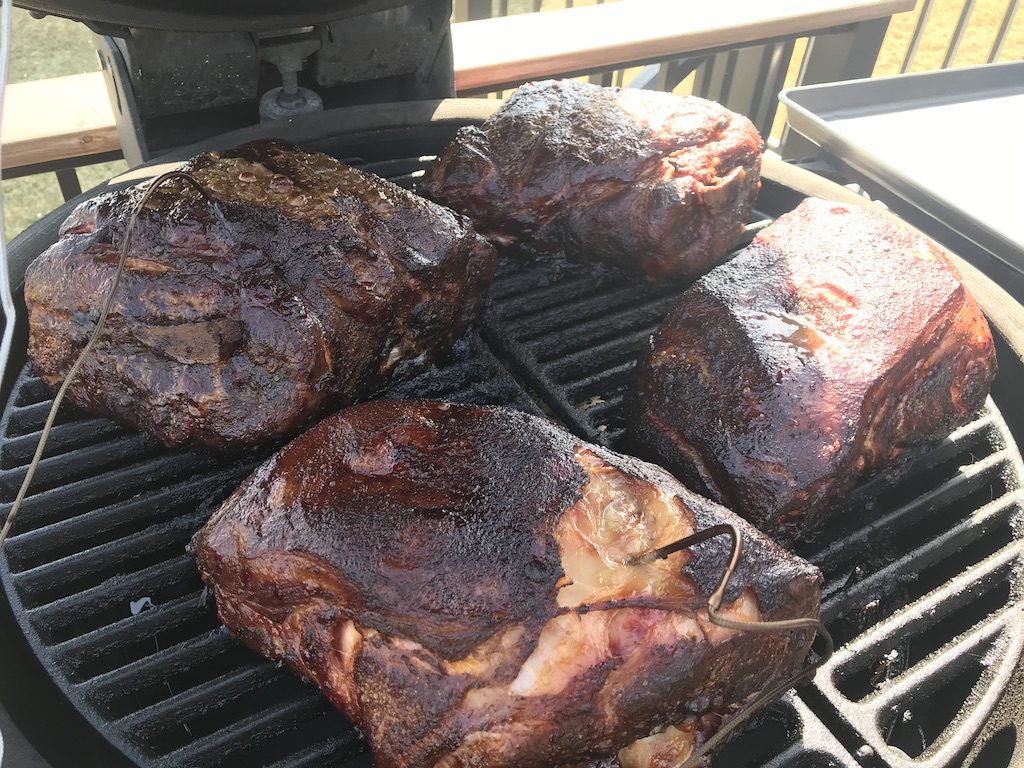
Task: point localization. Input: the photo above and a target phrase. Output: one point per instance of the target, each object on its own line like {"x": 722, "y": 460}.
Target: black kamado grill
{"x": 131, "y": 667}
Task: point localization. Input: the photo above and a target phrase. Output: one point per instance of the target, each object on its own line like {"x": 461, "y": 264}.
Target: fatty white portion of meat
{"x": 617, "y": 520}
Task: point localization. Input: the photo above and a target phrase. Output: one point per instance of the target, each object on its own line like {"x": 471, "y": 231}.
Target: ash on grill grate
{"x": 785, "y": 735}
{"x": 931, "y": 622}
{"x": 115, "y": 607}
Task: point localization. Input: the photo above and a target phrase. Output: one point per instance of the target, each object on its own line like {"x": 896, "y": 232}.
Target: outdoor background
{"x": 51, "y": 47}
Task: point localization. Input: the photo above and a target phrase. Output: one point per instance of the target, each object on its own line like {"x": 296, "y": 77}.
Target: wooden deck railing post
{"x": 470, "y": 10}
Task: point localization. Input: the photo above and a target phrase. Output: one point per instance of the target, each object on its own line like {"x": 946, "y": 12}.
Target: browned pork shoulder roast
{"x": 464, "y": 583}
{"x": 299, "y": 282}
{"x": 837, "y": 341}
{"x": 648, "y": 180}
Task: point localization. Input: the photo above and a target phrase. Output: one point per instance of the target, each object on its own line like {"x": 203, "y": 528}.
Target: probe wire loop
{"x": 698, "y": 757}
{"x": 97, "y": 330}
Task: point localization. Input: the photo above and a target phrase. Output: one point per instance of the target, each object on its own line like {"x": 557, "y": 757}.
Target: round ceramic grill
{"x": 921, "y": 588}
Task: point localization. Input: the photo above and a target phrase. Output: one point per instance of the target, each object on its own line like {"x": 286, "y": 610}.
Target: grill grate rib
{"x": 199, "y": 700}
{"x": 132, "y": 638}
{"x": 17, "y": 451}
{"x": 248, "y": 731}
{"x": 73, "y": 573}
{"x": 68, "y": 616}
{"x": 43, "y": 544}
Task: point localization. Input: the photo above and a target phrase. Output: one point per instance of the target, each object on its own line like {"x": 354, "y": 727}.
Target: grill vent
{"x": 99, "y": 579}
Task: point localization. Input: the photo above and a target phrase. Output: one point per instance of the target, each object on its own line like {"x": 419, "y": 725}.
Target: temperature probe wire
{"x": 97, "y": 330}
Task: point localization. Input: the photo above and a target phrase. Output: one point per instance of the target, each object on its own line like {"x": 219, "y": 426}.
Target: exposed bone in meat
{"x": 837, "y": 341}
{"x": 461, "y": 582}
{"x": 648, "y": 180}
{"x": 307, "y": 283}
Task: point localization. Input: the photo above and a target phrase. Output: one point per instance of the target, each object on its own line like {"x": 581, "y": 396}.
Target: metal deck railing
{"x": 937, "y": 34}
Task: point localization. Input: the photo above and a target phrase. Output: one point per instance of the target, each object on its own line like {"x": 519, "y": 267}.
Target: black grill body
{"x": 922, "y": 574}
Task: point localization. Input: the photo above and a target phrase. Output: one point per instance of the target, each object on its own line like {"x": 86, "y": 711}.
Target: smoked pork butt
{"x": 837, "y": 341}
{"x": 651, "y": 181}
{"x": 462, "y": 582}
{"x": 299, "y": 282}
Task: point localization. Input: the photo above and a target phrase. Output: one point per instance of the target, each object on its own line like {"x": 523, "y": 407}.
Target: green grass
{"x": 40, "y": 48}
{"x": 52, "y": 47}
{"x": 48, "y": 47}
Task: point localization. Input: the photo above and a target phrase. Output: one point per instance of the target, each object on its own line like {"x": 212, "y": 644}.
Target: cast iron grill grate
{"x": 99, "y": 579}
{"x": 115, "y": 606}
{"x": 920, "y": 571}
{"x": 121, "y": 618}
{"x": 573, "y": 331}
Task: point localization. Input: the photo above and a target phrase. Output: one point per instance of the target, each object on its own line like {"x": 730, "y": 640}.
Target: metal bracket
{"x": 288, "y": 54}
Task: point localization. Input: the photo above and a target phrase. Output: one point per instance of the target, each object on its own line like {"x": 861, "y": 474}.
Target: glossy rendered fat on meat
{"x": 463, "y": 583}
{"x": 838, "y": 341}
{"x": 651, "y": 181}
{"x": 292, "y": 283}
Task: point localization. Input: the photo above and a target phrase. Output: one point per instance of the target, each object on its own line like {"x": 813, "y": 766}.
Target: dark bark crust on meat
{"x": 830, "y": 347}
{"x": 431, "y": 528}
{"x": 650, "y": 181}
{"x": 307, "y": 283}
{"x": 400, "y": 503}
